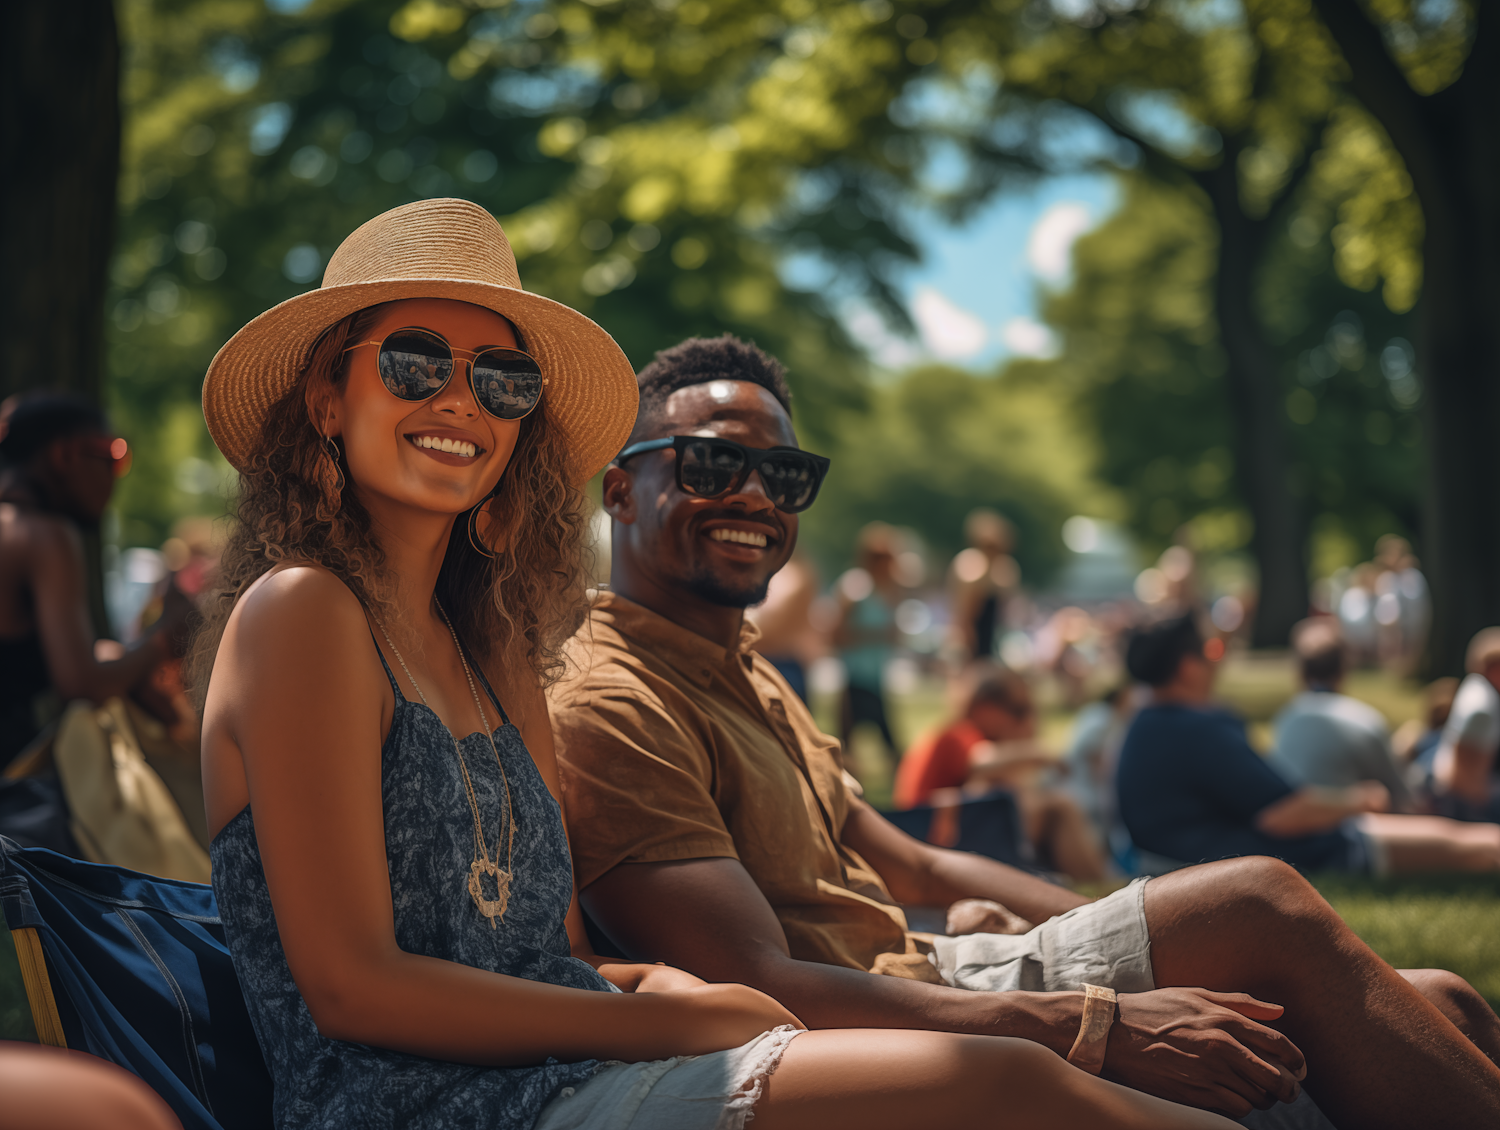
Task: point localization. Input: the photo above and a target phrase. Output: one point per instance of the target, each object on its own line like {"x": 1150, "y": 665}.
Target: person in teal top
{"x": 866, "y": 634}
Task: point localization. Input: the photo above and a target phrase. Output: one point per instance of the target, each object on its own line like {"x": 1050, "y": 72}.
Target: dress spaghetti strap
{"x": 485, "y": 683}
{"x": 473, "y": 666}
{"x": 389, "y": 674}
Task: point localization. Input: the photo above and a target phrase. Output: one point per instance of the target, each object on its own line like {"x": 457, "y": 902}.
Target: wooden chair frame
{"x": 33, "y": 963}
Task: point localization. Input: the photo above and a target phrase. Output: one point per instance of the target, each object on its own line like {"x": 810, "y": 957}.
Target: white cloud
{"x": 1026, "y": 337}
{"x": 1050, "y": 248}
{"x": 948, "y": 331}
{"x": 868, "y": 329}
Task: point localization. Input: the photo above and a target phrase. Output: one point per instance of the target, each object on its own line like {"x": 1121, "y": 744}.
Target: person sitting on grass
{"x": 712, "y": 829}
{"x": 390, "y": 859}
{"x": 1329, "y": 739}
{"x": 1463, "y": 768}
{"x": 1192, "y": 789}
{"x": 994, "y": 746}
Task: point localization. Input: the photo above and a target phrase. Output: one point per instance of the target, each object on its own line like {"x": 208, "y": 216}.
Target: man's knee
{"x": 1254, "y": 885}
{"x": 1454, "y": 997}
{"x": 1232, "y": 914}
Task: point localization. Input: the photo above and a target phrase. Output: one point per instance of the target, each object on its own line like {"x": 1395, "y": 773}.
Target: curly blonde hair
{"x": 520, "y": 605}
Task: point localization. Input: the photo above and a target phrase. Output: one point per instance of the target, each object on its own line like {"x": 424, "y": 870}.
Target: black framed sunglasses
{"x": 416, "y": 364}
{"x": 711, "y": 468}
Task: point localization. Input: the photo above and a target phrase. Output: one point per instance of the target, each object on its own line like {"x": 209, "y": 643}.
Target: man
{"x": 1192, "y": 788}
{"x": 1463, "y": 768}
{"x": 1327, "y": 738}
{"x": 994, "y": 745}
{"x": 711, "y": 827}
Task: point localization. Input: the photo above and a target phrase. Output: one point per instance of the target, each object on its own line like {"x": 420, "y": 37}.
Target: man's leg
{"x": 1461, "y": 1003}
{"x": 1433, "y": 843}
{"x": 1379, "y": 1054}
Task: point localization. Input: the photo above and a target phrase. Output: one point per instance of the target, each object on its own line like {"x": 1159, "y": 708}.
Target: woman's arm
{"x": 298, "y": 690}
{"x": 56, "y": 578}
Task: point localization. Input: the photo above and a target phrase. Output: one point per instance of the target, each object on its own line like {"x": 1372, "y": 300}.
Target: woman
{"x": 58, "y": 464}
{"x": 398, "y": 900}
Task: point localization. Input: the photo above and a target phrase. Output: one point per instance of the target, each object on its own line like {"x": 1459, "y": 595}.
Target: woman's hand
{"x": 640, "y": 976}
{"x": 719, "y": 1017}
{"x": 665, "y": 979}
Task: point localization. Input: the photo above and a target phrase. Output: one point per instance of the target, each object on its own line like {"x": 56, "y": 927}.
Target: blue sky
{"x": 976, "y": 293}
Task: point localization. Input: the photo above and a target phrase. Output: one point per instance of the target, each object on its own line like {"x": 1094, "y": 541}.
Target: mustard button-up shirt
{"x": 672, "y": 747}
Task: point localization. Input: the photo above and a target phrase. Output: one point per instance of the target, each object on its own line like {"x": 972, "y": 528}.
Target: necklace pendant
{"x": 490, "y": 908}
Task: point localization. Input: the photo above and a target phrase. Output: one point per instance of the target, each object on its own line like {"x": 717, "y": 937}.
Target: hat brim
{"x": 590, "y": 397}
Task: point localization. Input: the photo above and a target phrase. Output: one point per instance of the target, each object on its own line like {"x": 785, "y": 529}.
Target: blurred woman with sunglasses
{"x": 58, "y": 465}
{"x": 389, "y": 855}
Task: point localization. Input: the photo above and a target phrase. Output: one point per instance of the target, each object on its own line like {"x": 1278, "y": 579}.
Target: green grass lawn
{"x": 1443, "y": 921}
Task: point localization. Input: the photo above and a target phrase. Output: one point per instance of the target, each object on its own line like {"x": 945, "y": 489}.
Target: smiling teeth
{"x": 742, "y": 537}
{"x": 451, "y": 446}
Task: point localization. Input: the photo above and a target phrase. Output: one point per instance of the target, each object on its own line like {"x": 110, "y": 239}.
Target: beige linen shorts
{"x": 688, "y": 1092}
{"x": 1099, "y": 943}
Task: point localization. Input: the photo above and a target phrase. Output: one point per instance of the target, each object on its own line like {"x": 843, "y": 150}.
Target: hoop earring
{"x": 474, "y": 540}
{"x": 330, "y": 480}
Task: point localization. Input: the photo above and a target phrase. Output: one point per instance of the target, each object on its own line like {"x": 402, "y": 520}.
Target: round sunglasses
{"x": 416, "y": 364}
{"x": 711, "y": 468}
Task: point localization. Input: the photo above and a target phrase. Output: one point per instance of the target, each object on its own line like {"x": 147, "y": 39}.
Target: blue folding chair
{"x": 134, "y": 969}
{"x": 989, "y": 825}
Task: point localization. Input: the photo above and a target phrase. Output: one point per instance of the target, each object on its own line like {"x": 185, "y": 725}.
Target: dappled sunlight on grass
{"x": 1432, "y": 921}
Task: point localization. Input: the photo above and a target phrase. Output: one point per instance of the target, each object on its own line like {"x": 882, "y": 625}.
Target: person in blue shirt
{"x": 1192, "y": 789}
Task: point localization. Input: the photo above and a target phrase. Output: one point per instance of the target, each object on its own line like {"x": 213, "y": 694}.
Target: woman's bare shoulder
{"x": 299, "y": 602}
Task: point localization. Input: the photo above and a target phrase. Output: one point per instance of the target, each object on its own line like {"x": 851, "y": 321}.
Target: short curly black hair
{"x": 699, "y": 360}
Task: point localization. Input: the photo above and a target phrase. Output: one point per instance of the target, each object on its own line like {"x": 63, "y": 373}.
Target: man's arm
{"x": 1313, "y": 809}
{"x": 707, "y": 916}
{"x": 919, "y": 874}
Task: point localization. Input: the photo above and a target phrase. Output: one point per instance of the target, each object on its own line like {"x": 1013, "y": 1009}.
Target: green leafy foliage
{"x": 938, "y": 442}
{"x": 1144, "y": 367}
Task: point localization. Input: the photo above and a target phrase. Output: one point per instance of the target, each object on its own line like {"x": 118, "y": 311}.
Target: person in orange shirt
{"x": 993, "y": 745}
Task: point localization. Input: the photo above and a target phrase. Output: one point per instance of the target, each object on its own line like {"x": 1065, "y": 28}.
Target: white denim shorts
{"x": 689, "y": 1092}
{"x": 1099, "y": 943}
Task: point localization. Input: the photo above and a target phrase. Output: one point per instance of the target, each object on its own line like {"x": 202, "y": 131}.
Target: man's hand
{"x": 1204, "y": 1049}
{"x": 1374, "y": 796}
{"x": 984, "y": 916}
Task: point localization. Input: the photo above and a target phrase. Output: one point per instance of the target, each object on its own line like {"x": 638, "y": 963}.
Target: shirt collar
{"x": 697, "y": 657}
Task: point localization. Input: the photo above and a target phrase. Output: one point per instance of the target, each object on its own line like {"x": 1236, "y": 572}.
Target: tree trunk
{"x": 60, "y": 146}
{"x": 60, "y": 142}
{"x": 1449, "y": 144}
{"x": 1262, "y": 461}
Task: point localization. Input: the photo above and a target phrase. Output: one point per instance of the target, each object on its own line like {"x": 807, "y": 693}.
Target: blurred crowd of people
{"x": 1137, "y": 788}
{"x": 1154, "y": 774}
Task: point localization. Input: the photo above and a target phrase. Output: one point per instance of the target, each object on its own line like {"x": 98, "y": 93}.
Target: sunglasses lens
{"x": 791, "y": 480}
{"x": 414, "y": 365}
{"x": 507, "y": 383}
{"x": 709, "y": 469}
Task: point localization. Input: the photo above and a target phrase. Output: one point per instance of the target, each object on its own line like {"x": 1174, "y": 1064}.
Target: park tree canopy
{"x": 656, "y": 164}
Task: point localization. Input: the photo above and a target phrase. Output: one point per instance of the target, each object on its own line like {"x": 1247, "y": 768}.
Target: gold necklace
{"x": 482, "y": 865}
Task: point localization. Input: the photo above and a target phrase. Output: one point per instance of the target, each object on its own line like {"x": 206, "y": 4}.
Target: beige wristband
{"x": 1099, "y": 1006}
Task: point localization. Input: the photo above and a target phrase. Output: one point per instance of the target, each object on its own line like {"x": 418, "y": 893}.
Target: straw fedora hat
{"x": 428, "y": 249}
